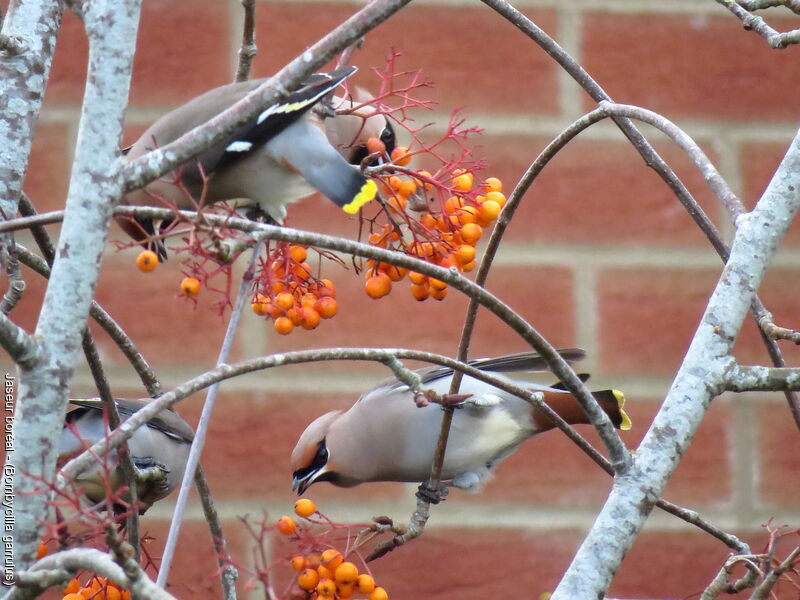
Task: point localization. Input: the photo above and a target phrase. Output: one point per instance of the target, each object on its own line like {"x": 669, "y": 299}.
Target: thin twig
{"x": 205, "y": 418}
{"x": 751, "y": 22}
{"x": 16, "y": 284}
{"x": 248, "y": 49}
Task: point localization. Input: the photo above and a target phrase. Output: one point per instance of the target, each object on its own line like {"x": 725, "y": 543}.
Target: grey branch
{"x": 761, "y": 379}
{"x": 701, "y": 376}
{"x": 21, "y": 347}
{"x": 775, "y": 39}
{"x": 73, "y": 560}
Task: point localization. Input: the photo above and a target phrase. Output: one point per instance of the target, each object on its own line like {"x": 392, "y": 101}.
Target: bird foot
{"x": 432, "y": 495}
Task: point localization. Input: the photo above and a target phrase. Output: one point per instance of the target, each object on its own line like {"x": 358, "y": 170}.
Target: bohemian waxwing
{"x": 159, "y": 450}
{"x": 280, "y": 156}
{"x": 384, "y": 436}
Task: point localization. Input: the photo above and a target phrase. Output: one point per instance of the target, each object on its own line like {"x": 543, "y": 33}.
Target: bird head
{"x": 349, "y": 133}
{"x": 311, "y": 458}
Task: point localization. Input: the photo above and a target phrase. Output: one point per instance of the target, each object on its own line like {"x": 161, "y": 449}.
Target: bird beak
{"x": 302, "y": 483}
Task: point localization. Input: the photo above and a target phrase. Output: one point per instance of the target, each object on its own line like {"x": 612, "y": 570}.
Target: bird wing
{"x": 510, "y": 363}
{"x": 246, "y": 138}
{"x": 168, "y": 422}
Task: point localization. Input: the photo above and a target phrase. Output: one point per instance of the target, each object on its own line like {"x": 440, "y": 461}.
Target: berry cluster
{"x": 288, "y": 294}
{"x": 445, "y": 233}
{"x": 96, "y": 588}
{"x": 326, "y": 575}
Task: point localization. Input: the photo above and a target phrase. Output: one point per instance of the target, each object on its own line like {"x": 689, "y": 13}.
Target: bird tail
{"x": 567, "y": 407}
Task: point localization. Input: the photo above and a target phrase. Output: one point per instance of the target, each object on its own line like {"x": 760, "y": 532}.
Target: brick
{"x": 400, "y": 321}
{"x": 757, "y": 163}
{"x": 172, "y": 66}
{"x": 693, "y": 66}
{"x": 477, "y": 563}
{"x": 779, "y": 452}
{"x": 598, "y": 191}
{"x": 506, "y": 72}
{"x": 241, "y": 463}
{"x": 47, "y": 177}
{"x": 633, "y": 305}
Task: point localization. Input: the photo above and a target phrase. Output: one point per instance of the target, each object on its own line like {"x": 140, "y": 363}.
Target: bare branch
{"x": 31, "y": 583}
{"x": 21, "y": 347}
{"x": 741, "y": 378}
{"x": 701, "y": 376}
{"x": 16, "y": 284}
{"x": 205, "y": 418}
{"x": 751, "y": 22}
{"x": 248, "y": 49}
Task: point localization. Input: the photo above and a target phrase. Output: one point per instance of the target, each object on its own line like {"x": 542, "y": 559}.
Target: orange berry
{"x": 190, "y": 287}
{"x": 397, "y": 203}
{"x": 436, "y": 284}
{"x": 448, "y": 260}
{"x": 489, "y": 210}
{"x": 310, "y": 318}
{"x": 284, "y": 300}
{"x": 420, "y": 292}
{"x": 327, "y": 307}
{"x": 439, "y": 294}
{"x": 428, "y": 220}
{"x": 74, "y": 596}
{"x": 471, "y": 233}
{"x": 324, "y": 572}
{"x": 496, "y": 197}
{"x": 326, "y": 587}
{"x": 295, "y": 315}
{"x": 278, "y": 267}
{"x": 425, "y": 184}
{"x": 331, "y": 558}
{"x": 407, "y": 188}
{"x": 72, "y": 586}
{"x": 375, "y": 145}
{"x": 379, "y": 594}
{"x": 147, "y": 260}
{"x": 346, "y": 572}
{"x": 327, "y": 285}
{"x": 466, "y": 214}
{"x": 468, "y": 267}
{"x": 345, "y": 590}
{"x": 464, "y": 254}
{"x": 492, "y": 184}
{"x": 298, "y": 253}
{"x": 87, "y": 592}
{"x": 261, "y": 305}
{"x": 308, "y": 300}
{"x": 313, "y": 561}
{"x": 394, "y": 272}
{"x": 452, "y": 204}
{"x": 305, "y": 507}
{"x": 126, "y": 595}
{"x": 302, "y": 271}
{"x": 417, "y": 278}
{"x": 41, "y": 550}
{"x": 378, "y": 286}
{"x": 395, "y": 181}
{"x": 283, "y": 325}
{"x": 463, "y": 182}
{"x": 365, "y": 584}
{"x": 400, "y": 156}
{"x": 298, "y": 563}
{"x": 277, "y": 287}
{"x": 111, "y": 593}
{"x": 286, "y": 525}
{"x": 377, "y": 239}
{"x": 308, "y": 579}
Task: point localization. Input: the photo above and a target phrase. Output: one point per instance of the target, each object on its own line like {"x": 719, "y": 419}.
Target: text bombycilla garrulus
{"x": 282, "y": 155}
{"x": 385, "y": 436}
{"x": 159, "y": 450}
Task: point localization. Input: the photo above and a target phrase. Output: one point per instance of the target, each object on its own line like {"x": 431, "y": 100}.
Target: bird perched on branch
{"x": 285, "y": 153}
{"x": 159, "y": 450}
{"x": 385, "y": 436}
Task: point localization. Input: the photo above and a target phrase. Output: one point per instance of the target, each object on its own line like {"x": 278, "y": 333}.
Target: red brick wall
{"x": 601, "y": 256}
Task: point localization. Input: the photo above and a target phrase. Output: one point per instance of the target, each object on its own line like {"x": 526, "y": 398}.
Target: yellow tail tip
{"x": 625, "y": 423}
{"x": 364, "y": 195}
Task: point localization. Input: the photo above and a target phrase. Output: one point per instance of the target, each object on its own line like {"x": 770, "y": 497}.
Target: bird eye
{"x": 320, "y": 459}
{"x": 388, "y": 137}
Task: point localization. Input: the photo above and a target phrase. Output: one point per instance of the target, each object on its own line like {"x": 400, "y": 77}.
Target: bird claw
{"x": 432, "y": 495}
